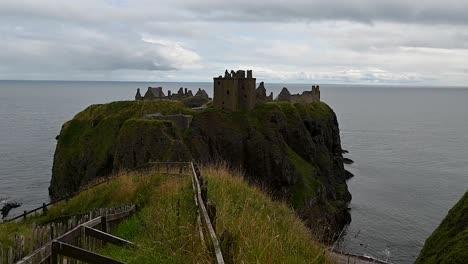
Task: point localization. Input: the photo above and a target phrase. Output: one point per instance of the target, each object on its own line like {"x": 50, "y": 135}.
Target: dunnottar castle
{"x": 235, "y": 91}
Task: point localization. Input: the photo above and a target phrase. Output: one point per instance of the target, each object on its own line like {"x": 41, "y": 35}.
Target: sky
{"x": 354, "y": 41}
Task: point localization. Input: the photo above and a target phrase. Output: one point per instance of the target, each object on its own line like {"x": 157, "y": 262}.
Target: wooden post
{"x": 227, "y": 246}
{"x": 44, "y": 208}
{"x": 54, "y": 255}
{"x": 10, "y": 257}
{"x": 1, "y": 253}
{"x": 211, "y": 208}
{"x": 21, "y": 250}
{"x": 16, "y": 248}
{"x": 31, "y": 240}
{"x": 24, "y": 214}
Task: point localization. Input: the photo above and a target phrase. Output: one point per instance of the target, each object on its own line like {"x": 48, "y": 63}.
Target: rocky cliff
{"x": 292, "y": 151}
{"x": 449, "y": 242}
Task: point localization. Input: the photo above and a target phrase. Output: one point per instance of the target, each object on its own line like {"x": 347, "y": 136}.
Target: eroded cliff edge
{"x": 293, "y": 151}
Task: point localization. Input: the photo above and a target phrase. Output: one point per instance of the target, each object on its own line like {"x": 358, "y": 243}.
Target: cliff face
{"x": 294, "y": 152}
{"x": 448, "y": 243}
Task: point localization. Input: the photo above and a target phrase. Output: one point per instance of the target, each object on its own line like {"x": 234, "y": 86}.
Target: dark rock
{"x": 7, "y": 207}
{"x": 344, "y": 151}
{"x": 347, "y": 161}
{"x": 348, "y": 175}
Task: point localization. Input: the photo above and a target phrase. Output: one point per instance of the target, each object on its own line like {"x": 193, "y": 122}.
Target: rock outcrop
{"x": 292, "y": 151}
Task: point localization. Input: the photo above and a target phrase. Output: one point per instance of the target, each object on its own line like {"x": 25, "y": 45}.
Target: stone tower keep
{"x": 235, "y": 91}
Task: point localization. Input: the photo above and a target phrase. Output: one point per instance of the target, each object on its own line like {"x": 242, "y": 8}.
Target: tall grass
{"x": 264, "y": 231}
{"x": 165, "y": 231}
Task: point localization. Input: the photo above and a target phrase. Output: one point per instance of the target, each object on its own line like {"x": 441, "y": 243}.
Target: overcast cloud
{"x": 355, "y": 41}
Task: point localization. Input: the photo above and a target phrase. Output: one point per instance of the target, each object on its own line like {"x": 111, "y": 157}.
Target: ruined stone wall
{"x": 304, "y": 98}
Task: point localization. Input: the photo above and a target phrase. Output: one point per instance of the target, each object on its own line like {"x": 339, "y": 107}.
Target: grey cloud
{"x": 365, "y": 11}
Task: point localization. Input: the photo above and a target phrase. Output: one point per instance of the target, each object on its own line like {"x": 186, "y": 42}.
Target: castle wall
{"x": 234, "y": 92}
{"x": 246, "y": 93}
{"x": 226, "y": 94}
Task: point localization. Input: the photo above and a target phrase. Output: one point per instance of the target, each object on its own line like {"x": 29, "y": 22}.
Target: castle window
{"x": 245, "y": 96}
{"x": 227, "y": 92}
{"x": 243, "y": 88}
{"x": 219, "y": 83}
{"x": 223, "y": 102}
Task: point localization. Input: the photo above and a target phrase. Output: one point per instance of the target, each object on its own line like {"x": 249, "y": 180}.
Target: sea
{"x": 409, "y": 145}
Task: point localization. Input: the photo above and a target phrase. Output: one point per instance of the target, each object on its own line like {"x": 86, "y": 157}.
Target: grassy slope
{"x": 165, "y": 231}
{"x": 264, "y": 231}
{"x": 449, "y": 242}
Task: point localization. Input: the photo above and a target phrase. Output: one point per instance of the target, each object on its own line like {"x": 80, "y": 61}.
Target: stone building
{"x": 235, "y": 91}
{"x": 305, "y": 98}
{"x": 260, "y": 94}
{"x": 154, "y": 93}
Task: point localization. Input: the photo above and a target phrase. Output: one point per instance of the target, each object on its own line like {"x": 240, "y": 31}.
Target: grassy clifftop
{"x": 165, "y": 230}
{"x": 293, "y": 151}
{"x": 449, "y": 242}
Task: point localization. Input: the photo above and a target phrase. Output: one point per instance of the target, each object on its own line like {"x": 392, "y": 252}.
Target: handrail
{"x": 200, "y": 203}
{"x": 206, "y": 219}
{"x": 46, "y": 250}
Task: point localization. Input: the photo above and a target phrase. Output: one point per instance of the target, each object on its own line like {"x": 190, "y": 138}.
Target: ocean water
{"x": 409, "y": 145}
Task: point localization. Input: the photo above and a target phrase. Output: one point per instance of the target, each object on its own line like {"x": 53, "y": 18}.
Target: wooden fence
{"x": 76, "y": 231}
{"x": 43, "y": 243}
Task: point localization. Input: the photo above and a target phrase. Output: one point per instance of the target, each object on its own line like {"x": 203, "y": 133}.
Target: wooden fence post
{"x": 227, "y": 246}
{"x": 1, "y": 253}
{"x": 44, "y": 208}
{"x": 10, "y": 257}
{"x": 22, "y": 250}
{"x": 211, "y": 208}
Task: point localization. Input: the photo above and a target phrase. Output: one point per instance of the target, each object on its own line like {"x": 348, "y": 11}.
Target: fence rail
{"x": 87, "y": 231}
{"x": 68, "y": 243}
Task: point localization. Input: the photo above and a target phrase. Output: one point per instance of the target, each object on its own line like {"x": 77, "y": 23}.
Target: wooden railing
{"x": 206, "y": 221}
{"x": 58, "y": 242}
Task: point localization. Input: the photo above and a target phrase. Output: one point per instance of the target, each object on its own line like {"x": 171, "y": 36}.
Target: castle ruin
{"x": 235, "y": 91}
{"x": 157, "y": 93}
{"x": 306, "y": 97}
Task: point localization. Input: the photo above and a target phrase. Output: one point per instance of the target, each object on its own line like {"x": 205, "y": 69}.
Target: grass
{"x": 131, "y": 188}
{"x": 165, "y": 230}
{"x": 307, "y": 186}
{"x": 448, "y": 243}
{"x": 264, "y": 231}
{"x": 90, "y": 138}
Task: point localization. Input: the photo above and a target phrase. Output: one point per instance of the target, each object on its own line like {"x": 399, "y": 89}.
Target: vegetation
{"x": 126, "y": 189}
{"x": 165, "y": 230}
{"x": 264, "y": 231}
{"x": 307, "y": 186}
{"x": 448, "y": 243}
{"x": 90, "y": 137}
